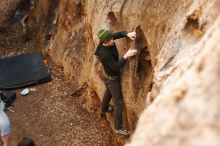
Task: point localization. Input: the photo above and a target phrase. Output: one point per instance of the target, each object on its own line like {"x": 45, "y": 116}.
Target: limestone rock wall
{"x": 170, "y": 80}
{"x": 170, "y": 89}
{"x": 185, "y": 111}
{"x": 7, "y": 10}
{"x": 74, "y": 44}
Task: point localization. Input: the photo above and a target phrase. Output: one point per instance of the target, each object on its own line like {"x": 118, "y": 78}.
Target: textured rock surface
{"x": 174, "y": 42}
{"x": 175, "y": 77}
{"x": 7, "y": 10}
{"x": 75, "y": 42}
{"x": 186, "y": 110}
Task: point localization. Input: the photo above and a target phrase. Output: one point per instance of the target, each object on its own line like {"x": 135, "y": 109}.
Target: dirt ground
{"x": 52, "y": 114}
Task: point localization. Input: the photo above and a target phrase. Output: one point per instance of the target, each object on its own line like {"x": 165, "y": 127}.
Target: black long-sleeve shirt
{"x": 108, "y": 56}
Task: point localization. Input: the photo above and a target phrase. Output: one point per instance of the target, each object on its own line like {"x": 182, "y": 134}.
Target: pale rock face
{"x": 171, "y": 89}
{"x": 186, "y": 111}
{"x": 174, "y": 80}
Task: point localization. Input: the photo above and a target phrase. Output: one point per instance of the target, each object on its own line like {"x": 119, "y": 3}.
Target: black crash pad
{"x": 23, "y": 70}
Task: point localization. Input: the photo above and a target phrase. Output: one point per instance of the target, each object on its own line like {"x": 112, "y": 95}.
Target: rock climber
{"x": 108, "y": 55}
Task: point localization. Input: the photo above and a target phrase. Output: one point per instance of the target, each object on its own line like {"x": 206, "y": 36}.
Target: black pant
{"x": 113, "y": 89}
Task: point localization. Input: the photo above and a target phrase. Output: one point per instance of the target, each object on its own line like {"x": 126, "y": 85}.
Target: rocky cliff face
{"x": 7, "y": 11}
{"x": 171, "y": 86}
{"x": 168, "y": 78}
{"x": 76, "y": 39}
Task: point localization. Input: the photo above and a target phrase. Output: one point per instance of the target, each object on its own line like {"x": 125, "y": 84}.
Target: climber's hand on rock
{"x": 132, "y": 35}
{"x": 130, "y": 52}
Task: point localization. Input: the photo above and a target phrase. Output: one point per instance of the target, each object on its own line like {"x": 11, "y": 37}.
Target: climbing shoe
{"x": 110, "y": 109}
{"x": 122, "y": 132}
